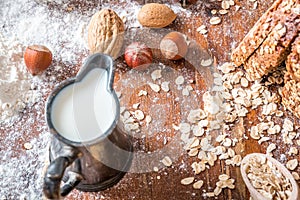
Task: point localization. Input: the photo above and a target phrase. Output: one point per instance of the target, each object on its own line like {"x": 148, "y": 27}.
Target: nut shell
{"x": 37, "y": 58}
{"x": 155, "y": 15}
{"x": 106, "y": 33}
{"x": 173, "y": 46}
{"x": 138, "y": 55}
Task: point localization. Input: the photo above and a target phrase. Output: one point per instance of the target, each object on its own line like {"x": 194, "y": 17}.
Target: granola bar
{"x": 293, "y": 60}
{"x": 260, "y": 31}
{"x": 274, "y": 50}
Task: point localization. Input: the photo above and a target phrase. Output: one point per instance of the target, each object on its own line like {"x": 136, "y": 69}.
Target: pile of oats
{"x": 267, "y": 179}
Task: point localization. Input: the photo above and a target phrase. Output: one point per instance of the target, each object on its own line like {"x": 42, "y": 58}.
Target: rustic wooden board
{"x": 218, "y": 44}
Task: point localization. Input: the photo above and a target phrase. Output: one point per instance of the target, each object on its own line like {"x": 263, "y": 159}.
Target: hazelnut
{"x": 173, "y": 46}
{"x": 37, "y": 58}
{"x": 138, "y": 55}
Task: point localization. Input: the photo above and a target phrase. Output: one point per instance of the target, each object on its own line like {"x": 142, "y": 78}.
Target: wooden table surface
{"x": 165, "y": 184}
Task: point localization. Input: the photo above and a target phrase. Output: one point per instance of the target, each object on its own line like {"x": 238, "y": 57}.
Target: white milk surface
{"x": 85, "y": 110}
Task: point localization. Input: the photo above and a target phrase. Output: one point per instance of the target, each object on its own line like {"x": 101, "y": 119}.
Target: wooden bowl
{"x": 253, "y": 192}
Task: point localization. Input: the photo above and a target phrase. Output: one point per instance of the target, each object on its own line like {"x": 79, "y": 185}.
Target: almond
{"x": 106, "y": 33}
{"x": 155, "y": 15}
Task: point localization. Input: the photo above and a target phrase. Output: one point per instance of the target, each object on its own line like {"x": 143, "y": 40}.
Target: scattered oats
{"x": 217, "y": 191}
{"x": 185, "y": 92}
{"x": 223, "y": 12}
{"x": 298, "y": 142}
{"x": 155, "y": 169}
{"x": 255, "y": 5}
{"x": 142, "y": 93}
{"x": 231, "y": 152}
{"x": 198, "y": 167}
{"x": 213, "y": 11}
{"x": 189, "y": 87}
{"x": 227, "y": 142}
{"x": 223, "y": 177}
{"x": 210, "y": 194}
{"x": 157, "y": 177}
{"x": 274, "y": 130}
{"x": 203, "y": 31}
{"x": 236, "y": 160}
{"x": 201, "y": 28}
{"x": 244, "y": 82}
{"x": 167, "y": 161}
{"x": 220, "y": 138}
{"x": 193, "y": 152}
{"x": 215, "y": 20}
{"x": 227, "y": 67}
{"x": 185, "y": 128}
{"x": 237, "y": 7}
{"x": 293, "y": 151}
{"x": 154, "y": 87}
{"x": 254, "y": 133}
{"x": 225, "y": 4}
{"x": 296, "y": 176}
{"x": 203, "y": 123}
{"x": 288, "y": 125}
{"x": 156, "y": 74}
{"x": 179, "y": 80}
{"x": 218, "y": 81}
{"x": 148, "y": 119}
{"x": 271, "y": 148}
{"x": 187, "y": 181}
{"x": 198, "y": 131}
{"x": 194, "y": 143}
{"x": 198, "y": 184}
{"x": 206, "y": 63}
{"x": 165, "y": 86}
{"x": 28, "y": 146}
{"x": 136, "y": 105}
{"x": 196, "y": 115}
{"x": 292, "y": 164}
{"x": 263, "y": 139}
{"x": 139, "y": 115}
{"x": 176, "y": 128}
{"x": 224, "y": 156}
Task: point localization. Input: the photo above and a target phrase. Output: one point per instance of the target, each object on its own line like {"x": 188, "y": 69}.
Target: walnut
{"x": 106, "y": 33}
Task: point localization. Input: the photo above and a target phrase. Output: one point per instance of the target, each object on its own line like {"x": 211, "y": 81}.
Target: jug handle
{"x": 55, "y": 173}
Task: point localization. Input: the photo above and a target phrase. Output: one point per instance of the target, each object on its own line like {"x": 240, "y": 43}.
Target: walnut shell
{"x": 155, "y": 15}
{"x": 106, "y": 33}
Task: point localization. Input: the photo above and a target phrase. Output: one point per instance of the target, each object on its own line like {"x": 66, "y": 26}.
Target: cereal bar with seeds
{"x": 291, "y": 96}
{"x": 274, "y": 50}
{"x": 293, "y": 60}
{"x": 257, "y": 34}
